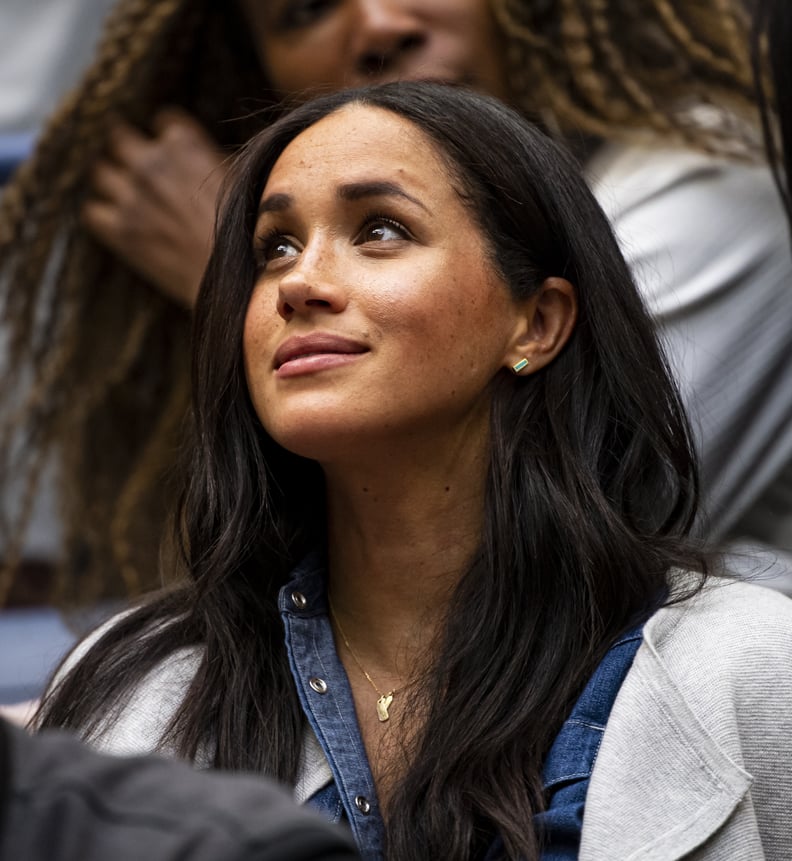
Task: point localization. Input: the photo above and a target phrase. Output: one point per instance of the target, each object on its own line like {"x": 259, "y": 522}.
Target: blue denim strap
{"x": 570, "y": 761}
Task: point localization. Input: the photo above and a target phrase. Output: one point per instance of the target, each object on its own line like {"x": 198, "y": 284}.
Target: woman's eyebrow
{"x": 375, "y": 188}
{"x": 275, "y": 203}
{"x": 280, "y": 201}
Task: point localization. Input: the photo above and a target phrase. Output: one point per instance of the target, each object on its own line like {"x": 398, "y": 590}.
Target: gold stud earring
{"x": 523, "y": 363}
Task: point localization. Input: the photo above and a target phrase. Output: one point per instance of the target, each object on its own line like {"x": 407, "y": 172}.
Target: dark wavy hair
{"x": 591, "y": 492}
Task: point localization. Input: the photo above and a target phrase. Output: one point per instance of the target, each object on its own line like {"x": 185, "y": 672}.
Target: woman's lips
{"x": 307, "y": 354}
{"x": 315, "y": 362}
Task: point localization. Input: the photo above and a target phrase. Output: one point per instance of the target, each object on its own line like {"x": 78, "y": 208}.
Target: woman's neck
{"x": 398, "y": 542}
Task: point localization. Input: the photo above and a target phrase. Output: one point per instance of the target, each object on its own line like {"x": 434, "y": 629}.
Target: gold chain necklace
{"x": 385, "y": 700}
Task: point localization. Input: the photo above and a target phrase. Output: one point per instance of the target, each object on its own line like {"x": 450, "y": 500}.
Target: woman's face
{"x": 376, "y": 313}
{"x": 310, "y": 45}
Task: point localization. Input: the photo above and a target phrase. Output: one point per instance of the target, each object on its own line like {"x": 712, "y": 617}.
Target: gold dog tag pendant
{"x": 383, "y": 704}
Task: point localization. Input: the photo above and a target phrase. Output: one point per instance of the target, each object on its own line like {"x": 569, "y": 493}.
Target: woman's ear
{"x": 546, "y": 321}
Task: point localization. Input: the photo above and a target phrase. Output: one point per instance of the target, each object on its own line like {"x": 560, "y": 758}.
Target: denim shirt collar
{"x": 326, "y": 699}
{"x": 335, "y": 774}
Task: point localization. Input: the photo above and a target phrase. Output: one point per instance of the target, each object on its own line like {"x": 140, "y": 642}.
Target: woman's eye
{"x": 275, "y": 247}
{"x": 382, "y": 230}
{"x": 281, "y": 248}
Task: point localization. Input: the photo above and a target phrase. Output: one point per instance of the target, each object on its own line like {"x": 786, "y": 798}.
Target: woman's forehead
{"x": 361, "y": 142}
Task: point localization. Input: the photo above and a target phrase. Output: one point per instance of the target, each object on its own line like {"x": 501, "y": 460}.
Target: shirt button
{"x": 299, "y": 600}
{"x": 319, "y": 685}
{"x": 362, "y": 804}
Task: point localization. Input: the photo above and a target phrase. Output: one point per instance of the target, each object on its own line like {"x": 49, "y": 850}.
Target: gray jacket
{"x": 696, "y": 759}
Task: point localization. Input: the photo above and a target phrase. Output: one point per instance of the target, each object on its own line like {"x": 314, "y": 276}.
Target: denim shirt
{"x": 326, "y": 698}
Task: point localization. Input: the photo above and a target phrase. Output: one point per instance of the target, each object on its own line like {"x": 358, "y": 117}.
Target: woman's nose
{"x": 387, "y": 33}
{"x": 304, "y": 289}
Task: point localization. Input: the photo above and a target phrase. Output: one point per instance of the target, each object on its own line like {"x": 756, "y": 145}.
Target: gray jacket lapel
{"x": 661, "y": 785}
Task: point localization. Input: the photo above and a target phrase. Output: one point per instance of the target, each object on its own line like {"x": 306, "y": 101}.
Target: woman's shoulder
{"x": 700, "y": 723}
{"x": 728, "y": 629}
{"x": 84, "y": 645}
{"x": 136, "y": 725}
{"x": 140, "y": 722}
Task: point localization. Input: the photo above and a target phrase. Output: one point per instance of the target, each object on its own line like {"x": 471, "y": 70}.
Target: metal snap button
{"x": 319, "y": 685}
{"x": 299, "y": 600}
{"x": 362, "y": 804}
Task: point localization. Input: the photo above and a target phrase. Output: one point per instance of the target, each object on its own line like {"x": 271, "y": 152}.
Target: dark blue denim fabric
{"x": 329, "y": 706}
{"x": 330, "y": 710}
{"x": 570, "y": 761}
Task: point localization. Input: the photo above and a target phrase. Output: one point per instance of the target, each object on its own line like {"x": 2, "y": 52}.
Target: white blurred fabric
{"x": 708, "y": 243}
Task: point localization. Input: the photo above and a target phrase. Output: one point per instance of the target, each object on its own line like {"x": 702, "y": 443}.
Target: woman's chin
{"x": 324, "y": 442}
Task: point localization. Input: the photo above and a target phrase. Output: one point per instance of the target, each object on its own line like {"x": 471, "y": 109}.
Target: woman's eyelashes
{"x": 377, "y": 230}
{"x": 381, "y": 228}
{"x": 272, "y": 246}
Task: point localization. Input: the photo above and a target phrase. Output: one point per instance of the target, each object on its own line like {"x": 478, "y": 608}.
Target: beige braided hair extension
{"x": 590, "y": 53}
{"x": 73, "y": 452}
{"x": 644, "y": 94}
{"x": 104, "y": 356}
{"x": 55, "y": 278}
{"x": 638, "y": 93}
{"x": 155, "y": 460}
{"x": 579, "y": 50}
{"x": 619, "y": 69}
{"x": 733, "y": 59}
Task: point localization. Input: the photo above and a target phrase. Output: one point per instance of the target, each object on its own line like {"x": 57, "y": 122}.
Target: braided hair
{"x": 617, "y": 69}
{"x": 100, "y": 358}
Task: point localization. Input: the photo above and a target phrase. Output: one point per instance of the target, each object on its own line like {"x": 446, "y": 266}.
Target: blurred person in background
{"x": 105, "y": 232}
{"x": 44, "y": 48}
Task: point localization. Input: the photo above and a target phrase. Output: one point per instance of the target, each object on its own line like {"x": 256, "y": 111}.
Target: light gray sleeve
{"x": 137, "y": 726}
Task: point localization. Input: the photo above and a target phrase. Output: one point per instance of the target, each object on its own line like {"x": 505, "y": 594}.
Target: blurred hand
{"x": 153, "y": 201}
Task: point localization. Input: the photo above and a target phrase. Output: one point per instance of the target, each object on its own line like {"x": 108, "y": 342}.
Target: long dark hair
{"x": 592, "y": 489}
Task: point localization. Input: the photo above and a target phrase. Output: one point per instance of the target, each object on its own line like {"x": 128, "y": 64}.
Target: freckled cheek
{"x": 250, "y": 339}
{"x": 258, "y": 336}
{"x": 410, "y": 327}
{"x": 455, "y": 308}
{"x": 433, "y": 316}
